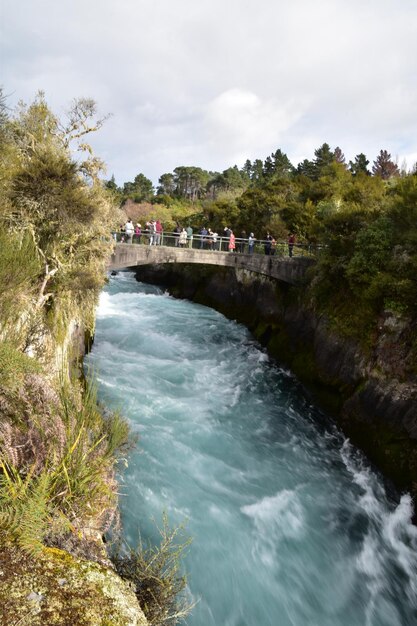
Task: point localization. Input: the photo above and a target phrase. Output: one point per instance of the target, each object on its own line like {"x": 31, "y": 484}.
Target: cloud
{"x": 215, "y": 82}
{"x": 237, "y": 120}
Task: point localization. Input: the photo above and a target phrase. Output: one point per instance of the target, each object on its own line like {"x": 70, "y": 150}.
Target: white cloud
{"x": 238, "y": 120}
{"x": 215, "y": 82}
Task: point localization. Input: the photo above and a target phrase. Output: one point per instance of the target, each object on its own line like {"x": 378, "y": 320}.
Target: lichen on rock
{"x": 56, "y": 589}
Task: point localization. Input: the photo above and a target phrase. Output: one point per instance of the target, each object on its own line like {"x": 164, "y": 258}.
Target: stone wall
{"x": 290, "y": 270}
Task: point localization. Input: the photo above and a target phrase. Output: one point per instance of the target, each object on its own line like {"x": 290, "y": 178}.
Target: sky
{"x": 212, "y": 83}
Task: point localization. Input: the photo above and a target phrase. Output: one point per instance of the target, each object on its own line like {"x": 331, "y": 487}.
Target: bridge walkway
{"x": 291, "y": 270}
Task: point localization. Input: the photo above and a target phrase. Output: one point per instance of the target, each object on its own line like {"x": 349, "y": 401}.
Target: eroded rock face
{"x": 55, "y": 589}
{"x": 372, "y": 394}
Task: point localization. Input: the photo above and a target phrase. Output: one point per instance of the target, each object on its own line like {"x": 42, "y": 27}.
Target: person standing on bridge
{"x": 215, "y": 237}
{"x": 152, "y": 232}
{"x": 291, "y": 242}
{"x": 251, "y": 243}
{"x": 177, "y": 231}
{"x": 158, "y": 232}
{"x": 190, "y": 236}
{"x": 267, "y": 244}
{"x": 209, "y": 239}
{"x": 232, "y": 241}
{"x": 226, "y": 235}
{"x": 183, "y": 238}
{"x": 129, "y": 230}
{"x": 203, "y": 235}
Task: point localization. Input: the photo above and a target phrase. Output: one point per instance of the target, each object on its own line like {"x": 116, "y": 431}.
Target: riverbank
{"x": 367, "y": 391}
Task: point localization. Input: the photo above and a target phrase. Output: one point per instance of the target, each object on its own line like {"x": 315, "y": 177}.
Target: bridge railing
{"x": 218, "y": 244}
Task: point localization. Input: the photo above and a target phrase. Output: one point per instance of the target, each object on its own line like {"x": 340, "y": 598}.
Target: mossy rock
{"x": 57, "y": 589}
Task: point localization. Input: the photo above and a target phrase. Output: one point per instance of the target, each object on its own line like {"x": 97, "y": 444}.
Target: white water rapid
{"x": 290, "y": 524}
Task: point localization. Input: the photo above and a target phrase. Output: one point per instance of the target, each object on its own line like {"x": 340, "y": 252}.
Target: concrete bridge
{"x": 289, "y": 270}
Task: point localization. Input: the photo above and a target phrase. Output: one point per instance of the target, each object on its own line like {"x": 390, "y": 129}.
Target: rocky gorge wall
{"x": 369, "y": 393}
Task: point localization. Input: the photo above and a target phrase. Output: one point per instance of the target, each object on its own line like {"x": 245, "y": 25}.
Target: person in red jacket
{"x": 232, "y": 242}
{"x": 158, "y": 232}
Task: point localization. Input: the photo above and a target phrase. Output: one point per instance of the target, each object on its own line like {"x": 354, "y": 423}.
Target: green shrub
{"x": 57, "y": 457}
{"x": 156, "y": 574}
{"x": 20, "y": 269}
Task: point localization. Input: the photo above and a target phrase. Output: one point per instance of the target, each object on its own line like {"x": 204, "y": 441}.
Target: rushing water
{"x": 290, "y": 525}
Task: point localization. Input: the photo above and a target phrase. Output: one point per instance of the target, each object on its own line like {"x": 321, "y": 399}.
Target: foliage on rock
{"x": 57, "y": 450}
{"x": 155, "y": 571}
{"x": 55, "y": 219}
{"x": 57, "y": 457}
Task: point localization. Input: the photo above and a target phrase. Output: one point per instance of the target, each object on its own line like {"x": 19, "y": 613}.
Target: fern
{"x": 27, "y": 516}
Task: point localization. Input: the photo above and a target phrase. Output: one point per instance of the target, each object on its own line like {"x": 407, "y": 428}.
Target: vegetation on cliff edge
{"x": 58, "y": 448}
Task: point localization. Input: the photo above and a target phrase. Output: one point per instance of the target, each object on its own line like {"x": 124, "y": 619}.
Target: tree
{"x": 111, "y": 184}
{"x": 300, "y": 218}
{"x": 268, "y": 168}
{"x": 247, "y": 169}
{"x": 257, "y": 171}
{"x": 372, "y": 254}
{"x": 58, "y": 202}
{"x": 323, "y": 158}
{"x": 403, "y": 208}
{"x": 140, "y": 190}
{"x": 232, "y": 181}
{"x": 166, "y": 185}
{"x": 143, "y": 188}
{"x": 339, "y": 157}
{"x": 384, "y": 167}
{"x": 82, "y": 120}
{"x": 190, "y": 182}
{"x": 278, "y": 164}
{"x": 261, "y": 205}
{"x": 360, "y": 164}
{"x": 307, "y": 168}
{"x": 282, "y": 165}
{"x": 366, "y": 191}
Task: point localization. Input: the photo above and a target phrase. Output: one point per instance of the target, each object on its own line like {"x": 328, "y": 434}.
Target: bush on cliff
{"x": 57, "y": 451}
{"x": 155, "y": 571}
{"x": 57, "y": 458}
{"x": 55, "y": 214}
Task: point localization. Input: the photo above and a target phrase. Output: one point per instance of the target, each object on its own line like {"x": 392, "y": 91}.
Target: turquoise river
{"x": 290, "y": 525}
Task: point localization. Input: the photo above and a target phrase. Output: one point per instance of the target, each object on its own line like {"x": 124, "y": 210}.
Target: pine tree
{"x": 360, "y": 164}
{"x": 268, "y": 168}
{"x": 247, "y": 168}
{"x": 282, "y": 164}
{"x": 323, "y": 157}
{"x": 384, "y": 167}
{"x": 166, "y": 184}
{"x": 257, "y": 170}
{"x": 339, "y": 157}
{"x": 307, "y": 168}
